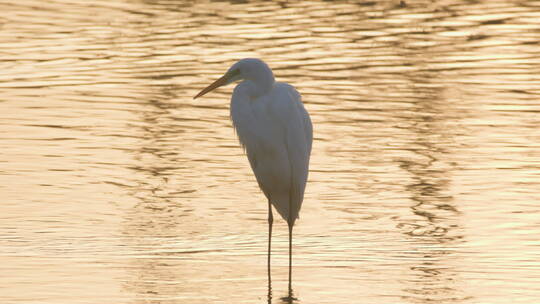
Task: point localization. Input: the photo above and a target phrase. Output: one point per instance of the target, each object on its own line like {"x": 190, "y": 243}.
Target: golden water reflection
{"x": 118, "y": 187}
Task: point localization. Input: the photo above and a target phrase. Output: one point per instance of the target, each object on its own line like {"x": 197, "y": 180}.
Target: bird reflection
{"x": 435, "y": 228}
{"x": 269, "y": 289}
{"x": 289, "y": 299}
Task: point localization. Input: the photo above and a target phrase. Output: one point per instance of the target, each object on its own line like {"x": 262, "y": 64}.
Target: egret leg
{"x": 270, "y": 221}
{"x": 290, "y": 260}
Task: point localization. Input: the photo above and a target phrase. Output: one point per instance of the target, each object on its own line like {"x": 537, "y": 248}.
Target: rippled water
{"x": 117, "y": 187}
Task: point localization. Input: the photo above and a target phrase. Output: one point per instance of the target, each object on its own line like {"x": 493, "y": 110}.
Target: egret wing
{"x": 289, "y": 112}
{"x": 276, "y": 133}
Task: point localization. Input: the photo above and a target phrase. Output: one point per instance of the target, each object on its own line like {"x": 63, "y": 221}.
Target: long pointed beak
{"x": 216, "y": 84}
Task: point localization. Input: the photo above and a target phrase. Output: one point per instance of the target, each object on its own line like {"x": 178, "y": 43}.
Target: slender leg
{"x": 290, "y": 260}
{"x": 270, "y": 221}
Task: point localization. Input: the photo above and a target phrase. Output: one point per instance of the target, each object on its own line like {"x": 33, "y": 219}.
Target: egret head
{"x": 252, "y": 69}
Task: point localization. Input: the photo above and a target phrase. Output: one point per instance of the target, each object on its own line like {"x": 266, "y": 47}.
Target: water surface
{"x": 117, "y": 187}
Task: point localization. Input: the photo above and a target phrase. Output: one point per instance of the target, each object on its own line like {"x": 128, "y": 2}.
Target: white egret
{"x": 276, "y": 132}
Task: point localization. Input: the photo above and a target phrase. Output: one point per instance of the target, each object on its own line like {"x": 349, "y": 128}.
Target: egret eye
{"x": 234, "y": 76}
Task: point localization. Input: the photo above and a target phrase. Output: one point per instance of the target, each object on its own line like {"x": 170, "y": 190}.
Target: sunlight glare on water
{"x": 118, "y": 187}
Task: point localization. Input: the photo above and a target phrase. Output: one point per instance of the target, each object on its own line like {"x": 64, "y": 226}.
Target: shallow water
{"x": 117, "y": 187}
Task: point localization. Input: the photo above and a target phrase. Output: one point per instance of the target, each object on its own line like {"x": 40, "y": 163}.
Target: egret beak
{"x": 216, "y": 84}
